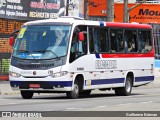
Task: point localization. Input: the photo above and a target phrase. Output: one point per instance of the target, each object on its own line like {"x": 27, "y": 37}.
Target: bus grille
{"x": 35, "y": 66}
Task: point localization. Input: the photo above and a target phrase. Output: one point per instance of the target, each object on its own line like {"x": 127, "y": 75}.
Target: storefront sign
{"x": 31, "y": 9}
{"x": 145, "y": 13}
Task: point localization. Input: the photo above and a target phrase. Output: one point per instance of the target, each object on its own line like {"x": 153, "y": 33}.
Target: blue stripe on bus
{"x": 101, "y": 23}
{"x": 120, "y": 80}
{"x": 97, "y": 55}
{"x": 61, "y": 83}
{"x": 93, "y": 82}
{"x": 107, "y": 81}
{"x": 144, "y": 78}
{"x": 50, "y": 83}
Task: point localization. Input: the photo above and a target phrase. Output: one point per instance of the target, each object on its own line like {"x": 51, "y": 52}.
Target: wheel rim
{"x": 76, "y": 89}
{"x": 128, "y": 86}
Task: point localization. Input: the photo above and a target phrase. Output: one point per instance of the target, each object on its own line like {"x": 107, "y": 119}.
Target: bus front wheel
{"x": 27, "y": 94}
{"x": 126, "y": 90}
{"x": 74, "y": 93}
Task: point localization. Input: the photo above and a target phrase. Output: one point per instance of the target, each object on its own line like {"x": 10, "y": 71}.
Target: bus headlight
{"x": 59, "y": 74}
{"x": 13, "y": 74}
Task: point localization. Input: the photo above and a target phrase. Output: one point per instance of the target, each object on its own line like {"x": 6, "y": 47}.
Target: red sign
{"x": 34, "y": 85}
{"x": 97, "y": 7}
{"x": 145, "y": 13}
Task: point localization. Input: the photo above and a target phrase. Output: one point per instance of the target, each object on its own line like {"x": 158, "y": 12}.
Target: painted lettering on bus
{"x": 148, "y": 12}
{"x": 106, "y": 64}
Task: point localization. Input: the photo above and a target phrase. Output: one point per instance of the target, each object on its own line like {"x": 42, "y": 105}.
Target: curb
{"x": 9, "y": 93}
{"x": 3, "y": 92}
{"x": 5, "y": 89}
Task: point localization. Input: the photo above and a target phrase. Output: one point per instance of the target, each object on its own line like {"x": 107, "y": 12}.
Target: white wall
{"x": 76, "y": 8}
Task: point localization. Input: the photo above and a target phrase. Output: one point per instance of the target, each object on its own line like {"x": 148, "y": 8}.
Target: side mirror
{"x": 12, "y": 37}
{"x": 81, "y": 36}
{"x": 11, "y": 41}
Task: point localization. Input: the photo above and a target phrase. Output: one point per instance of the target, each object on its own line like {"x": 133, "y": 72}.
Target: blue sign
{"x": 23, "y": 55}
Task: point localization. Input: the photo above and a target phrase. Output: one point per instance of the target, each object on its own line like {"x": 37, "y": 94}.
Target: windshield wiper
{"x": 26, "y": 51}
{"x": 48, "y": 51}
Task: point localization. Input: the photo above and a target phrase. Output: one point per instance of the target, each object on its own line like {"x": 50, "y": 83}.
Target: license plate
{"x": 34, "y": 85}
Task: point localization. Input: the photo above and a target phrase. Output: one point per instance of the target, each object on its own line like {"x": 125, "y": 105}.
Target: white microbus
{"x": 75, "y": 56}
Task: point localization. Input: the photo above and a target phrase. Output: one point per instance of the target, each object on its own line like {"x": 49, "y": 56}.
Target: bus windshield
{"x": 42, "y": 42}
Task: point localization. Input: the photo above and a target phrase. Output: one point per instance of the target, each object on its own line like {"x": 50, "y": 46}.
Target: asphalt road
{"x": 142, "y": 99}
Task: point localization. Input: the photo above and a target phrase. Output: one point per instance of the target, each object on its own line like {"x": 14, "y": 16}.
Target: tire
{"x": 74, "y": 93}
{"x": 27, "y": 94}
{"x": 85, "y": 93}
{"x": 126, "y": 90}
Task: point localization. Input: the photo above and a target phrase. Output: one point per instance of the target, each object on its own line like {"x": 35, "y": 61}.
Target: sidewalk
{"x": 6, "y": 89}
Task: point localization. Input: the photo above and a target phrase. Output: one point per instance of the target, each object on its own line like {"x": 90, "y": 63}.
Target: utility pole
{"x": 110, "y": 10}
{"x": 67, "y": 6}
{"x": 127, "y": 10}
{"x": 86, "y": 9}
{"x": 125, "y": 13}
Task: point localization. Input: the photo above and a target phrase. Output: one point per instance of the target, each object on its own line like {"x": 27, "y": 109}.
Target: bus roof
{"x": 78, "y": 21}
{"x": 128, "y": 25}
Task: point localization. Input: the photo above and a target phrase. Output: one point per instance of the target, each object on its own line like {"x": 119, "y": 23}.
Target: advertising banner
{"x": 97, "y": 8}
{"x": 31, "y": 9}
{"x": 145, "y": 13}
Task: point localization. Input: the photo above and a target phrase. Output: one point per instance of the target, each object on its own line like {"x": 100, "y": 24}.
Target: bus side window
{"x": 113, "y": 41}
{"x": 78, "y": 48}
{"x": 116, "y": 40}
{"x": 98, "y": 40}
{"x": 103, "y": 40}
{"x": 91, "y": 41}
{"x": 73, "y": 48}
{"x": 120, "y": 41}
{"x": 131, "y": 39}
{"x": 145, "y": 44}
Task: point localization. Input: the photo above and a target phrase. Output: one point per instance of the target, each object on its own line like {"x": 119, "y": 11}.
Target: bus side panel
{"x": 112, "y": 72}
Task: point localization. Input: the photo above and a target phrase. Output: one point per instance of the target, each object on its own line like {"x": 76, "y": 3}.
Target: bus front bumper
{"x": 60, "y": 86}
